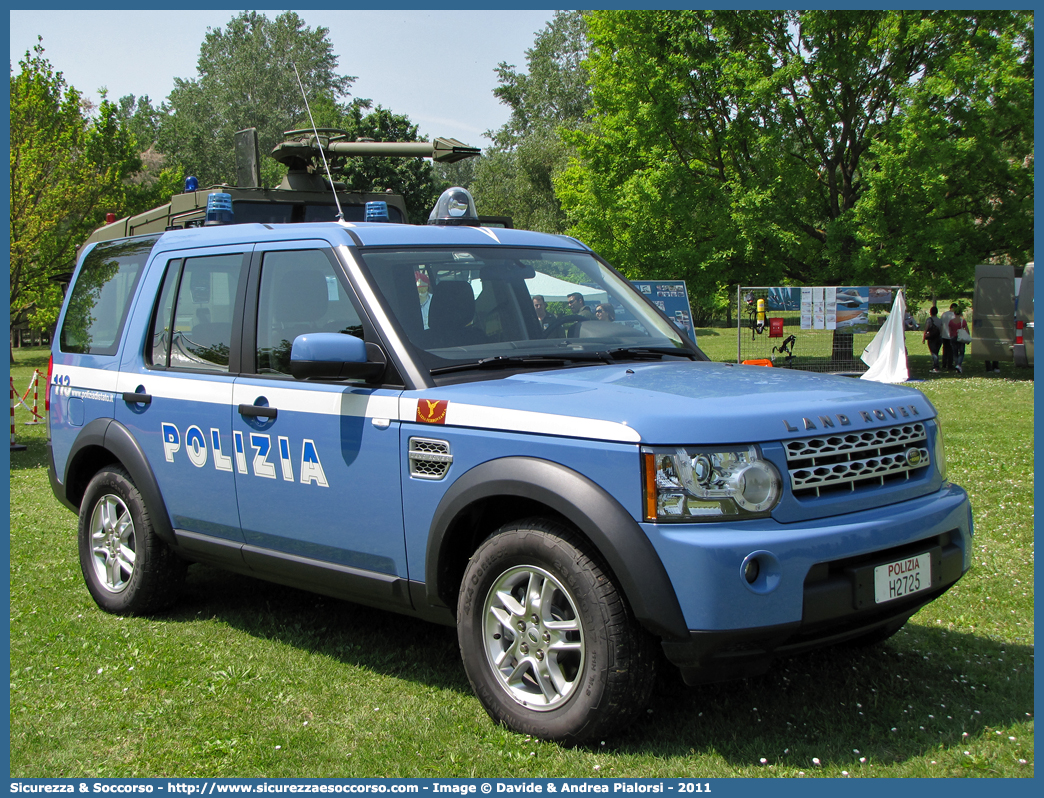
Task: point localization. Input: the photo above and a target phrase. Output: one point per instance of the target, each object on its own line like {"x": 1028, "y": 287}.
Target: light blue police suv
{"x": 581, "y": 498}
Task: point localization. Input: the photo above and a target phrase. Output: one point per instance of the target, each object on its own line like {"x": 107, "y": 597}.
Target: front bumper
{"x": 816, "y": 580}
{"x": 838, "y": 607}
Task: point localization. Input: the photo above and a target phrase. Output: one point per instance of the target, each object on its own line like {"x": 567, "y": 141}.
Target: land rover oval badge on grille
{"x": 913, "y": 457}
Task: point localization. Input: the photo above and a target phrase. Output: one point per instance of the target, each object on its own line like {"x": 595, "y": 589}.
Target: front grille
{"x": 429, "y": 458}
{"x": 851, "y": 461}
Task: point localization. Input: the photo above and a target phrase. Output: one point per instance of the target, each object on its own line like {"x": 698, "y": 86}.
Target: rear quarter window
{"x": 101, "y": 296}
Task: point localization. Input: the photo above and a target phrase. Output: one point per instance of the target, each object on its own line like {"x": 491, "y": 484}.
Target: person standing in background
{"x": 960, "y": 335}
{"x": 947, "y": 343}
{"x": 933, "y": 336}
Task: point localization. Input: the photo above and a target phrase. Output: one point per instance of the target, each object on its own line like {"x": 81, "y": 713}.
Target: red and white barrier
{"x": 34, "y": 386}
{"x": 16, "y": 400}
{"x": 15, "y": 447}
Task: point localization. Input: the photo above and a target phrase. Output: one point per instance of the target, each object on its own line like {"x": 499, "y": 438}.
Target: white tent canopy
{"x": 555, "y": 290}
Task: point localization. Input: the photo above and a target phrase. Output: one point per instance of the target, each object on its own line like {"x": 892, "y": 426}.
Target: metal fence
{"x": 788, "y": 333}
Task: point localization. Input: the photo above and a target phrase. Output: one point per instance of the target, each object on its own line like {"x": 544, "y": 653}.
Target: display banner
{"x": 827, "y": 307}
{"x": 786, "y": 297}
{"x": 852, "y": 308}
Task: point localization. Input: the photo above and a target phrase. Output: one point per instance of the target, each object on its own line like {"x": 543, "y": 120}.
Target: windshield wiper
{"x": 507, "y": 361}
{"x": 650, "y": 352}
{"x": 564, "y": 359}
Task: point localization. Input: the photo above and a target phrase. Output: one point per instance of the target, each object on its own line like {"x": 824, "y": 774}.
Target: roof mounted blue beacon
{"x": 455, "y": 206}
{"x": 191, "y": 183}
{"x": 219, "y": 209}
{"x": 377, "y": 211}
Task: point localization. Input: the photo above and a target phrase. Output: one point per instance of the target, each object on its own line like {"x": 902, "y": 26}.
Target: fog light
{"x": 751, "y": 571}
{"x": 761, "y": 572}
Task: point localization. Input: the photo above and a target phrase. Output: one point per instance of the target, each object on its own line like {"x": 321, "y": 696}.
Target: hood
{"x": 679, "y": 403}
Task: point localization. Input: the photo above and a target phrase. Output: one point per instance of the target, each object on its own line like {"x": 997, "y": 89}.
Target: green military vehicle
{"x": 303, "y": 196}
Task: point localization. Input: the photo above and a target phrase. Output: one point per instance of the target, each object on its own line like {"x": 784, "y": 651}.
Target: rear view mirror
{"x": 335, "y": 356}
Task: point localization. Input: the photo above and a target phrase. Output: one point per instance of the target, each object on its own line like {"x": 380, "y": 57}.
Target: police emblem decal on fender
{"x": 429, "y": 412}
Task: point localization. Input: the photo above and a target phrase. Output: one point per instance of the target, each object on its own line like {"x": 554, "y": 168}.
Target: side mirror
{"x": 335, "y": 356}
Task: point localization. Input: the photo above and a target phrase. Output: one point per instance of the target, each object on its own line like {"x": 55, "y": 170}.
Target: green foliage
{"x": 152, "y": 188}
{"x": 141, "y": 118}
{"x": 516, "y": 175}
{"x": 555, "y": 89}
{"x": 461, "y": 173}
{"x": 245, "y": 78}
{"x": 68, "y": 169}
{"x": 823, "y": 147}
{"x": 953, "y": 178}
{"x": 154, "y": 184}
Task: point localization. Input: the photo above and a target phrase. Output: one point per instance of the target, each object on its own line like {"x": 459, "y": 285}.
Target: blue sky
{"x": 434, "y": 66}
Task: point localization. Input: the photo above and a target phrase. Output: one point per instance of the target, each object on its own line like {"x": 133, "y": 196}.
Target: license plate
{"x": 902, "y": 577}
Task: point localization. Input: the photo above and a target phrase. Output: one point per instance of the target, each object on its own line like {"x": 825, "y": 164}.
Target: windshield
{"x": 463, "y": 306}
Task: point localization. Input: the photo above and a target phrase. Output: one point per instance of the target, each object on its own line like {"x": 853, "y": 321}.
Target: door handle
{"x": 257, "y": 410}
{"x": 137, "y": 398}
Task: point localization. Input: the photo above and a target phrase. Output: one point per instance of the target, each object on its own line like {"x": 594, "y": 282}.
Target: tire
{"x": 127, "y": 568}
{"x": 549, "y": 644}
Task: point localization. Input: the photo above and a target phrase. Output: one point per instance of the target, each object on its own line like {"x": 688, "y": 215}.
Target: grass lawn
{"x": 245, "y": 678}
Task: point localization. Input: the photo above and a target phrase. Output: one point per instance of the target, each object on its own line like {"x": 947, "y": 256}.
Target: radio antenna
{"x": 337, "y": 202}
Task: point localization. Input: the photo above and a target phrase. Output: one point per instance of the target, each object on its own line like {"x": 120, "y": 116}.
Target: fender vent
{"x": 429, "y": 458}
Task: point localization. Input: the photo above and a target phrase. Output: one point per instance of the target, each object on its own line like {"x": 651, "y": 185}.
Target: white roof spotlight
{"x": 455, "y": 206}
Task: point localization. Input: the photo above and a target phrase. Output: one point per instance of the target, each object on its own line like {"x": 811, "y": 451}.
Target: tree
{"x": 822, "y": 147}
{"x": 459, "y": 173}
{"x": 516, "y": 175}
{"x": 952, "y": 184}
{"x": 154, "y": 184}
{"x": 67, "y": 170}
{"x": 141, "y": 118}
{"x": 245, "y": 78}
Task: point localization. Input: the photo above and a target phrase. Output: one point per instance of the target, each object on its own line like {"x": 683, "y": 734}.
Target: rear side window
{"x": 102, "y": 295}
{"x": 192, "y": 325}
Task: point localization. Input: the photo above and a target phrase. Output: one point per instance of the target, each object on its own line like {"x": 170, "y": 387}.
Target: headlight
{"x": 940, "y": 454}
{"x": 707, "y": 484}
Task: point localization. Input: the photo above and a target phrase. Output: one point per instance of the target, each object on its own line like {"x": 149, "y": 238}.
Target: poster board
{"x": 670, "y": 296}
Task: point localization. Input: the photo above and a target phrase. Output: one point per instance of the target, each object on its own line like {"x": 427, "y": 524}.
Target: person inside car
{"x": 544, "y": 316}
{"x": 577, "y": 306}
